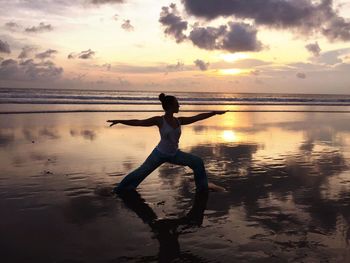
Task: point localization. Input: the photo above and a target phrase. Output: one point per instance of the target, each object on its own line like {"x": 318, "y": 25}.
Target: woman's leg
{"x": 133, "y": 179}
{"x": 196, "y": 164}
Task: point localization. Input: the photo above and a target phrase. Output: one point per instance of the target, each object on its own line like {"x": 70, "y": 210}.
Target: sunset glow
{"x": 231, "y": 71}
{"x": 232, "y": 57}
{"x": 138, "y": 45}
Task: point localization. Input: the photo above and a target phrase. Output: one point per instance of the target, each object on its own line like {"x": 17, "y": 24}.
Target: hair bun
{"x": 161, "y": 96}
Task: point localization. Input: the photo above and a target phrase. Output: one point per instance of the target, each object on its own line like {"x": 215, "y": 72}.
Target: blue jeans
{"x": 155, "y": 159}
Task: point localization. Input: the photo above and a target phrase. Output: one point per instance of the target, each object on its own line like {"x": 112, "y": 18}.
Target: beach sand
{"x": 286, "y": 176}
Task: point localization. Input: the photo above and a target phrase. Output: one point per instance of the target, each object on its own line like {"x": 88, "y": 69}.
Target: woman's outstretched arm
{"x": 199, "y": 117}
{"x": 145, "y": 123}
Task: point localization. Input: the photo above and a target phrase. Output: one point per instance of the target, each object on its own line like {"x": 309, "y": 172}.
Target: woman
{"x": 167, "y": 149}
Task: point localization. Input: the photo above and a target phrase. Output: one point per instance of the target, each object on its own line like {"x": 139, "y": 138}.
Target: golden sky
{"x": 299, "y": 46}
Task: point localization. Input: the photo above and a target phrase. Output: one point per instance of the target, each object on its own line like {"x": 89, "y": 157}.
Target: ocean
{"x": 53, "y": 100}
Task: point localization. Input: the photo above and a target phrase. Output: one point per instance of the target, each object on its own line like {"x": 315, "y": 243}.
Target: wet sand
{"x": 286, "y": 176}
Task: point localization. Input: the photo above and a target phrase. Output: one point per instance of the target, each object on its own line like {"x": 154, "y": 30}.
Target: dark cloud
{"x": 4, "y": 47}
{"x": 207, "y": 37}
{"x": 87, "y": 54}
{"x": 337, "y": 29}
{"x": 235, "y": 37}
{"x": 127, "y": 26}
{"x": 11, "y": 69}
{"x": 42, "y": 27}
{"x": 46, "y": 54}
{"x": 72, "y": 55}
{"x": 173, "y": 23}
{"x": 201, "y": 64}
{"x": 314, "y": 49}
{"x": 12, "y": 26}
{"x": 241, "y": 37}
{"x": 301, "y": 75}
{"x": 26, "y": 51}
{"x": 304, "y": 15}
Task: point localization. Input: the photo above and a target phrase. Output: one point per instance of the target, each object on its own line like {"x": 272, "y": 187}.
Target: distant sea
{"x": 54, "y": 100}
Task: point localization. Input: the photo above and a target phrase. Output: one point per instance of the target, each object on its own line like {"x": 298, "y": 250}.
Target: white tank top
{"x": 169, "y": 138}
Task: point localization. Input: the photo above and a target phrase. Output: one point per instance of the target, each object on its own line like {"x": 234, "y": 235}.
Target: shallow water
{"x": 286, "y": 174}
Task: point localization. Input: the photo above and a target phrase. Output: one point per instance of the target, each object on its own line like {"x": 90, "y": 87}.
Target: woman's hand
{"x": 113, "y": 122}
{"x": 219, "y": 112}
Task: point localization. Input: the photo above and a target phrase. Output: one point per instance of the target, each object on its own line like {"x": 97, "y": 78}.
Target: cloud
{"x": 87, "y": 54}
{"x": 125, "y": 68}
{"x": 25, "y": 53}
{"x": 333, "y": 57}
{"x": 4, "y": 47}
{"x": 201, "y": 64}
{"x": 207, "y": 37}
{"x": 42, "y": 27}
{"x": 241, "y": 37}
{"x": 337, "y": 29}
{"x": 11, "y": 69}
{"x": 127, "y": 26}
{"x": 100, "y": 2}
{"x": 46, "y": 54}
{"x": 255, "y": 72}
{"x": 12, "y": 26}
{"x": 72, "y": 55}
{"x": 46, "y": 7}
{"x": 235, "y": 37}
{"x": 314, "y": 49}
{"x": 173, "y": 23}
{"x": 175, "y": 67}
{"x": 107, "y": 66}
{"x": 304, "y": 15}
{"x": 301, "y": 75}
{"x": 302, "y": 66}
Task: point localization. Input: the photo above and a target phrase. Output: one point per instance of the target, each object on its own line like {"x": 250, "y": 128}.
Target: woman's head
{"x": 169, "y": 103}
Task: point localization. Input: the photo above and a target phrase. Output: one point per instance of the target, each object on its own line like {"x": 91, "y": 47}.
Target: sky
{"x": 253, "y": 46}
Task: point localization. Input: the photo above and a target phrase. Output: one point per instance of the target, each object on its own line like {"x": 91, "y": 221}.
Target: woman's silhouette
{"x": 167, "y": 149}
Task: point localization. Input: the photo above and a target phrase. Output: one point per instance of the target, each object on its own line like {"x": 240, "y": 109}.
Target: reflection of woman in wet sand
{"x": 167, "y": 149}
{"x": 166, "y": 230}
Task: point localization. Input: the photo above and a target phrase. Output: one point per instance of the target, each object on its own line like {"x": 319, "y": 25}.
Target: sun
{"x": 232, "y": 71}
{"x": 229, "y": 136}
